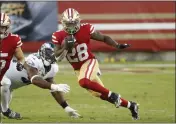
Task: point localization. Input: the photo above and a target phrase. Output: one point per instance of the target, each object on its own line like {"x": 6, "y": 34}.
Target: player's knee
{"x": 84, "y": 82}
{"x": 6, "y": 83}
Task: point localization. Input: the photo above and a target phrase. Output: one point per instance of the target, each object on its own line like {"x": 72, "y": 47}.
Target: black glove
{"x": 122, "y": 46}
{"x": 70, "y": 42}
{"x": 19, "y": 66}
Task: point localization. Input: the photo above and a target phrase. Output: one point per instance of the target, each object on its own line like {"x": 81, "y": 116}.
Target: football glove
{"x": 123, "y": 46}
{"x": 60, "y": 87}
{"x": 19, "y": 66}
{"x": 72, "y": 113}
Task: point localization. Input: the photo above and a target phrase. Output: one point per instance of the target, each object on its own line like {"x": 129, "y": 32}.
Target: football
{"x": 69, "y": 42}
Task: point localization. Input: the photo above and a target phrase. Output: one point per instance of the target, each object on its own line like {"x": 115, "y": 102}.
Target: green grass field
{"x": 152, "y": 87}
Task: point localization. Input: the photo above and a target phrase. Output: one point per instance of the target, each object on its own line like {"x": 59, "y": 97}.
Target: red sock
{"x": 86, "y": 83}
{"x": 124, "y": 102}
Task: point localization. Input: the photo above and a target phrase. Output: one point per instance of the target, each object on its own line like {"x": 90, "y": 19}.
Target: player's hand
{"x": 60, "y": 87}
{"x": 69, "y": 42}
{"x": 72, "y": 112}
{"x": 19, "y": 66}
{"x": 123, "y": 46}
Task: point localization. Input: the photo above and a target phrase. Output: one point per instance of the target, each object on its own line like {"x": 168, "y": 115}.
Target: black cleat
{"x": 11, "y": 114}
{"x": 134, "y": 110}
{"x": 115, "y": 98}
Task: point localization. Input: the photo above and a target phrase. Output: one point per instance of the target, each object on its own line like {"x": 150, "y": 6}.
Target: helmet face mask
{"x": 3, "y": 30}
{"x": 70, "y": 21}
{"x": 46, "y": 53}
{"x": 4, "y": 26}
{"x": 72, "y": 27}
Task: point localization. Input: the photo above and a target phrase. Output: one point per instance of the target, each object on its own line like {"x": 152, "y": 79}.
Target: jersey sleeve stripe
{"x": 53, "y": 37}
{"x": 91, "y": 27}
{"x": 92, "y": 30}
{"x": 4, "y": 54}
{"x": 20, "y": 44}
{"x": 55, "y": 41}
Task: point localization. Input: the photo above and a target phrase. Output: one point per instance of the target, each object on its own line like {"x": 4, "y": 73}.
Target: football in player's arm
{"x": 39, "y": 69}
{"x": 73, "y": 42}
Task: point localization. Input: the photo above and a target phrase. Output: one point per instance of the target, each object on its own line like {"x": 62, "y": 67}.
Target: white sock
{"x": 109, "y": 94}
{"x": 129, "y": 104}
{"x": 5, "y": 97}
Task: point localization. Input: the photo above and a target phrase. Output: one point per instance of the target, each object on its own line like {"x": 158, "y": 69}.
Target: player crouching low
{"x": 39, "y": 69}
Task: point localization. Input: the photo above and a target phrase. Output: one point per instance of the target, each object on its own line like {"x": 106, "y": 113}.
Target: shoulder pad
{"x": 33, "y": 61}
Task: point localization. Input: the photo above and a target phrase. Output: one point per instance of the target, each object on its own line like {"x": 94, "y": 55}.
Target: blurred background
{"x": 148, "y": 26}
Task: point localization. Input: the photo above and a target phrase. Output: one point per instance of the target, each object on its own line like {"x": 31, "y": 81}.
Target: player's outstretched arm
{"x": 40, "y": 82}
{"x": 20, "y": 58}
{"x": 96, "y": 35}
{"x": 58, "y": 96}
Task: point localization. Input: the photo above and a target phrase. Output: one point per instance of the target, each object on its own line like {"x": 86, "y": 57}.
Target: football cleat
{"x": 11, "y": 114}
{"x": 134, "y": 110}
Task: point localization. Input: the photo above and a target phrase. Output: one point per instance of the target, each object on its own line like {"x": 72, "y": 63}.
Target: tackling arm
{"x": 96, "y": 35}
{"x": 35, "y": 78}
{"x": 40, "y": 82}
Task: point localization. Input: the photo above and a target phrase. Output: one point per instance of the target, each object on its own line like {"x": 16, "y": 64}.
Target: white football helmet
{"x": 70, "y": 20}
{"x": 46, "y": 53}
{"x": 4, "y": 26}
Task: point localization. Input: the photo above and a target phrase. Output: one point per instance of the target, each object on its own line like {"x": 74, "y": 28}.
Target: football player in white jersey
{"x": 39, "y": 69}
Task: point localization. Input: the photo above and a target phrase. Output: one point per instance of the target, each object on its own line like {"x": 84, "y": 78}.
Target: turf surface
{"x": 153, "y": 88}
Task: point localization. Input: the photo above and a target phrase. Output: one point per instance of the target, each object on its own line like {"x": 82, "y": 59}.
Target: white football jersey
{"x": 20, "y": 78}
